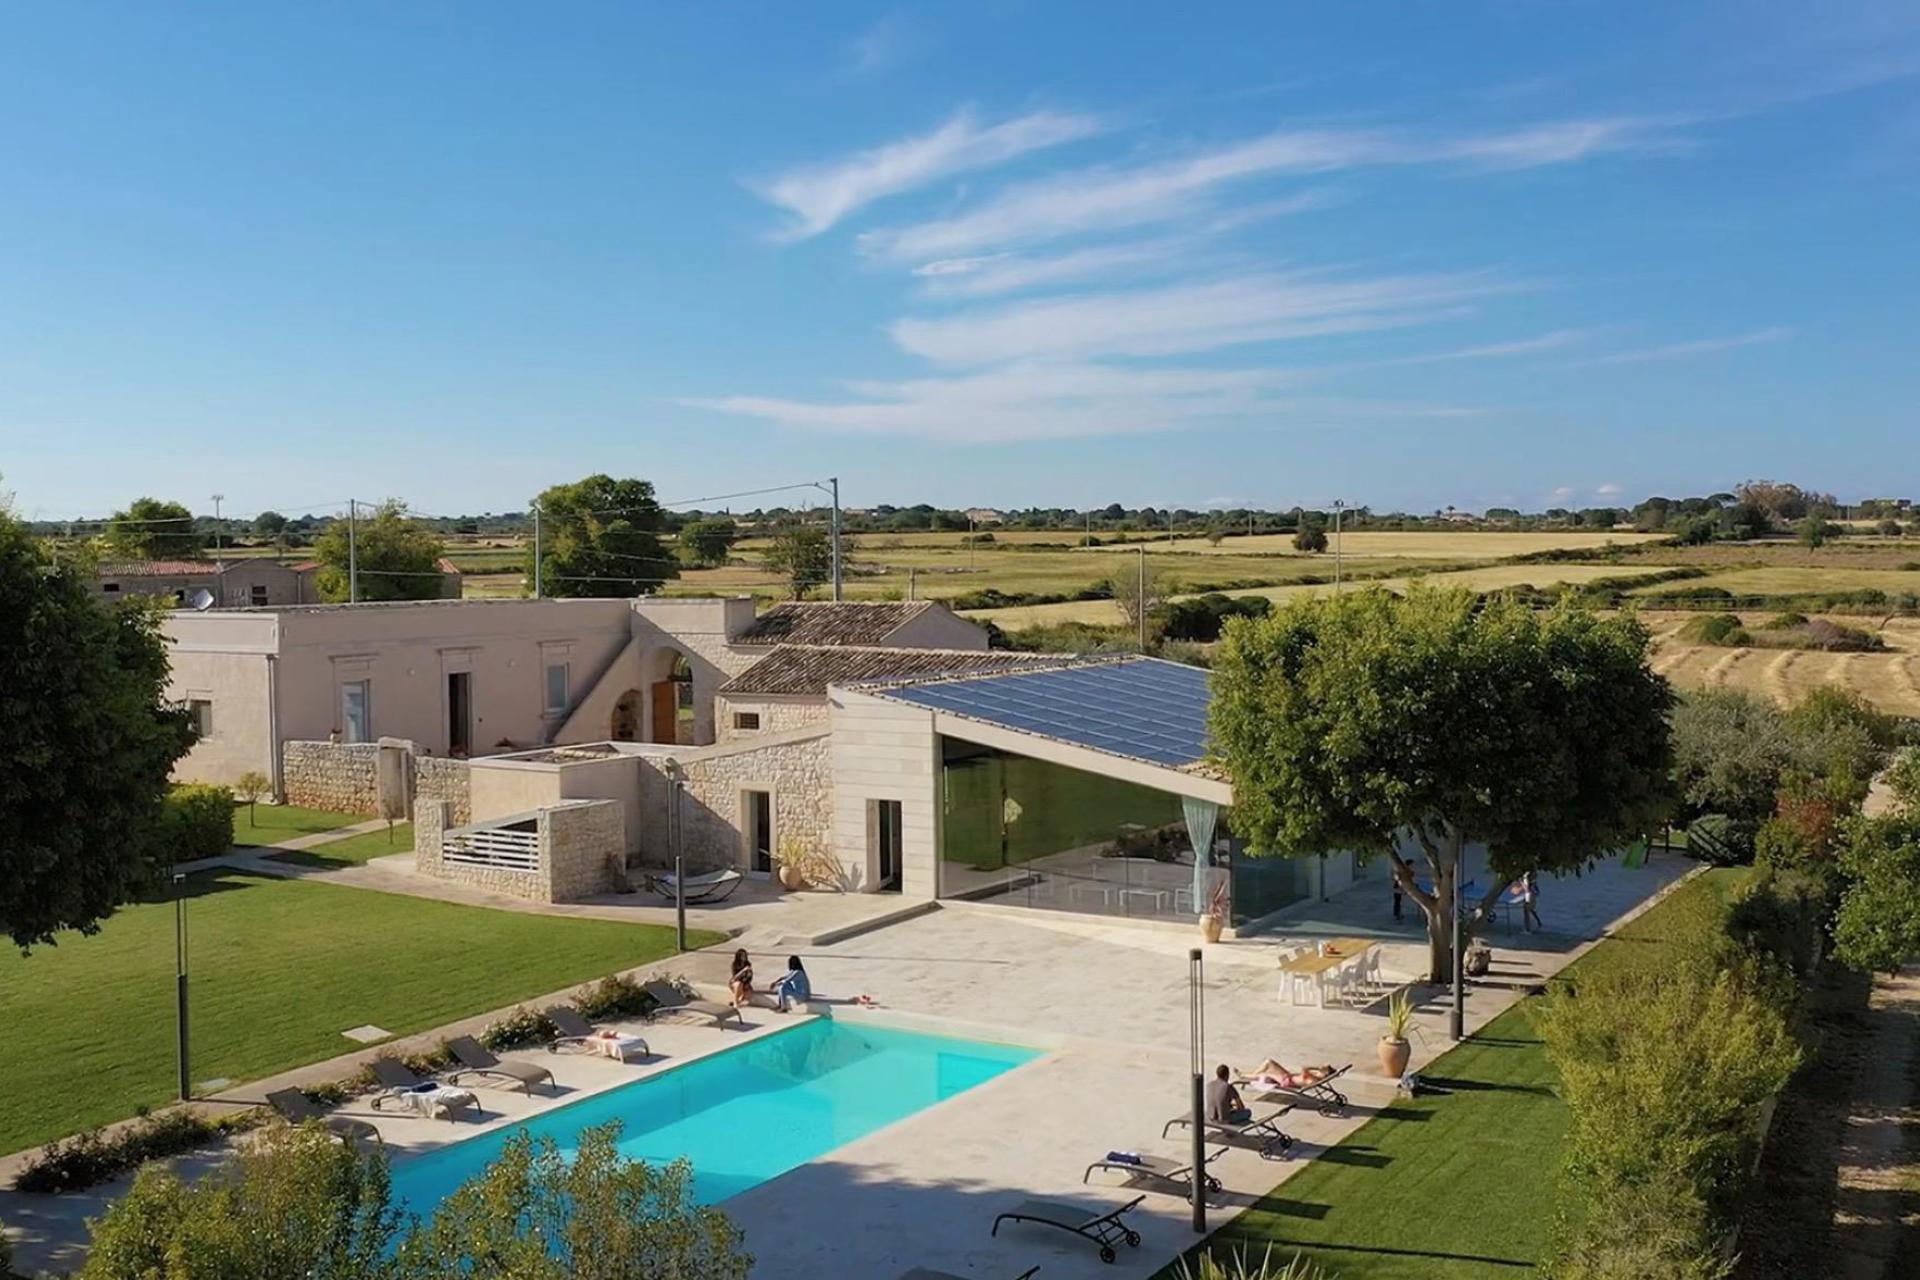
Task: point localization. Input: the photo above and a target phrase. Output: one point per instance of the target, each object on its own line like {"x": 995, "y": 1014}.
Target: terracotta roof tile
{"x": 858, "y": 622}
{"x": 807, "y": 670}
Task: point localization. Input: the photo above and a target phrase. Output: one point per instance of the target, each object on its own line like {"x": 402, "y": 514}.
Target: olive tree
{"x": 1409, "y": 728}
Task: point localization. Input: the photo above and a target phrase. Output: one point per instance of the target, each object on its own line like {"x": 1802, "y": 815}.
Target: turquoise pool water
{"x": 747, "y": 1114}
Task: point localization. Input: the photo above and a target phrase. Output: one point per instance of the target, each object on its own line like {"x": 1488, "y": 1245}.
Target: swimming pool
{"x": 747, "y": 1114}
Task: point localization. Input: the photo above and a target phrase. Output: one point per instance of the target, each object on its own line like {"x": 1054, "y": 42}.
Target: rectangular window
{"x": 746, "y": 721}
{"x": 258, "y": 595}
{"x": 556, "y": 688}
{"x": 201, "y": 711}
{"x": 356, "y": 711}
{"x": 112, "y": 588}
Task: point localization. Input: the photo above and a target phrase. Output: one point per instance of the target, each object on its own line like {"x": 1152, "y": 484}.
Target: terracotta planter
{"x": 1394, "y": 1054}
{"x": 791, "y": 880}
{"x": 1210, "y": 927}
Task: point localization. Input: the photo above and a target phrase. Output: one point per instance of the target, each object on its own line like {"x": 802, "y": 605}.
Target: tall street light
{"x": 180, "y": 979}
{"x": 1197, "y": 1049}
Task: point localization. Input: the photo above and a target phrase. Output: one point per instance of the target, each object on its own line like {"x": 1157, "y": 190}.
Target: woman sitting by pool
{"x": 1272, "y": 1074}
{"x": 740, "y": 981}
{"x": 791, "y": 986}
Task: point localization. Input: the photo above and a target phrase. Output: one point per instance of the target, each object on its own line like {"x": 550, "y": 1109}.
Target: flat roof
{"x": 1144, "y": 709}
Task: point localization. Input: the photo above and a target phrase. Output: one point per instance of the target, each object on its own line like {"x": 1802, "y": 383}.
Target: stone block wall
{"x": 344, "y": 777}
{"x": 341, "y": 777}
{"x": 798, "y": 773}
{"x": 776, "y": 716}
{"x": 583, "y": 849}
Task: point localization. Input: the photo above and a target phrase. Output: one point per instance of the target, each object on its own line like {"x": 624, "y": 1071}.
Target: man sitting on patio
{"x": 1224, "y": 1104}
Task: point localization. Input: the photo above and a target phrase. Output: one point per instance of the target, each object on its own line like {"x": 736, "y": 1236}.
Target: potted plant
{"x": 1214, "y": 918}
{"x": 1394, "y": 1048}
{"x": 791, "y": 859}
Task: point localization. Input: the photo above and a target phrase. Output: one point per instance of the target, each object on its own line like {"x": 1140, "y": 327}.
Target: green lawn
{"x": 280, "y": 968}
{"x": 352, "y": 851}
{"x": 272, "y": 823}
{"x": 1459, "y": 1185}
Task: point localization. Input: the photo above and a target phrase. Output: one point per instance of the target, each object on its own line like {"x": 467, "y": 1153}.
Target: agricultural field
{"x": 1486, "y": 578}
{"x": 1784, "y": 580}
{"x": 1890, "y": 680}
{"x": 1447, "y": 544}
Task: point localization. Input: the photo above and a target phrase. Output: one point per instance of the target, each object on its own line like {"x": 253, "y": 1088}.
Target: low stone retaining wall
{"x": 582, "y": 852}
{"x": 344, "y": 777}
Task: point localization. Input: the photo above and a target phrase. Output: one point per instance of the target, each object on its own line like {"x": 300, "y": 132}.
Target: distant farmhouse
{"x": 232, "y": 584}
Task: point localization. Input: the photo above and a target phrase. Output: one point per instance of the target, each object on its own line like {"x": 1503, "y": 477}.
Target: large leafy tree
{"x": 706, "y": 542}
{"x": 294, "y": 1202}
{"x": 399, "y": 558}
{"x": 601, "y": 537}
{"x": 150, "y": 529}
{"x": 536, "y": 1214}
{"x": 88, "y": 746}
{"x": 1410, "y": 728}
{"x": 803, "y": 556}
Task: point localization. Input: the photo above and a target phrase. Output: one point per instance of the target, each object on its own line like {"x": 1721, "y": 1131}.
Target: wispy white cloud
{"x": 1609, "y": 490}
{"x": 1192, "y": 317}
{"x": 820, "y": 195}
{"x": 1042, "y": 401}
{"x": 1687, "y": 350}
{"x": 1113, "y": 197}
{"x": 885, "y": 44}
{"x": 1003, "y": 273}
{"x": 1554, "y": 341}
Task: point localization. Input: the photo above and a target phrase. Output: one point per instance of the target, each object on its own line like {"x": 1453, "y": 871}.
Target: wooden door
{"x": 666, "y": 712}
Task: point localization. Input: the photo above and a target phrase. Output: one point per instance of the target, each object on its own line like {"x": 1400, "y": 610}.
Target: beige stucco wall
{"x": 885, "y": 751}
{"x": 231, "y": 668}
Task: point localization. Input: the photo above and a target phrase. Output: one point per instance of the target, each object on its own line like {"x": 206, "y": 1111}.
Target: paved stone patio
{"x": 1107, "y": 998}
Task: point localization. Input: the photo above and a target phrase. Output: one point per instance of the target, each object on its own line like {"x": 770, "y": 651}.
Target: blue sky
{"x": 1000, "y": 253}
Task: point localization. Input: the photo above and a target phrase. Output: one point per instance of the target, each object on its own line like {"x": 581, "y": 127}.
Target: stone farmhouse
{"x": 250, "y": 582}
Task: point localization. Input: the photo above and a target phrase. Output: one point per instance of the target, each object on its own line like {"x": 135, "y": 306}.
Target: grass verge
{"x": 279, "y": 969}
{"x": 1463, "y": 1184}
{"x": 271, "y": 823}
{"x": 352, "y": 851}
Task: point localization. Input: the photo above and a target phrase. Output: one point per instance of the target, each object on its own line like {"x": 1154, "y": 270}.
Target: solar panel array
{"x": 1143, "y": 708}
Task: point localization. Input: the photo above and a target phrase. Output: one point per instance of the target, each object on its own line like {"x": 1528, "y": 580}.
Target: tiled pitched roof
{"x": 862, "y": 622}
{"x": 804, "y": 669}
{"x": 156, "y": 568}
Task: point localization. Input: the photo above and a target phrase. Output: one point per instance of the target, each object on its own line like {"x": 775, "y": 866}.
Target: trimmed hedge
{"x": 90, "y": 1158}
{"x": 196, "y": 821}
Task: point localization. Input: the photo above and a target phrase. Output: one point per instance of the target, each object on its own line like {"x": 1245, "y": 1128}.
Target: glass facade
{"x": 1025, "y": 832}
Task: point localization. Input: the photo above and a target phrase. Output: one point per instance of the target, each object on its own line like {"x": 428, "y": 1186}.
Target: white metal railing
{"x": 502, "y": 848}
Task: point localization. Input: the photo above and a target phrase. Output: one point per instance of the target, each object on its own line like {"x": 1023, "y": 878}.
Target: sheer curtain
{"x": 1201, "y": 816}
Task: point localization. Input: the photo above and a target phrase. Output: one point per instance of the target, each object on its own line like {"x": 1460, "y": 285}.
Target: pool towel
{"x": 429, "y": 1098}
{"x": 1124, "y": 1157}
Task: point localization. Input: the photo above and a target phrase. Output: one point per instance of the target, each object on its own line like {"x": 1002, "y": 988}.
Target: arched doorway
{"x": 670, "y": 704}
{"x": 626, "y": 718}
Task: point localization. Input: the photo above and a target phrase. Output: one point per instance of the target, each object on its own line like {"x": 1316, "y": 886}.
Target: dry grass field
{"x": 1891, "y": 680}
{"x": 1779, "y": 580}
{"x": 1449, "y": 544}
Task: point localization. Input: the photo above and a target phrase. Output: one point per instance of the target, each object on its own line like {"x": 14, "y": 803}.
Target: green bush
{"x": 1240, "y": 1264}
{"x": 614, "y": 996}
{"x": 1722, "y": 629}
{"x": 90, "y": 1158}
{"x": 521, "y": 1027}
{"x": 196, "y": 821}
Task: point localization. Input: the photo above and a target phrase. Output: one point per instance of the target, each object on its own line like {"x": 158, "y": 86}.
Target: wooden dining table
{"x": 1333, "y": 953}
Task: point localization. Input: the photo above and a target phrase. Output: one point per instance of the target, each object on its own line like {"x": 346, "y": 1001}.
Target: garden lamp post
{"x": 1457, "y": 1018}
{"x": 1196, "y": 1040}
{"x": 180, "y": 979}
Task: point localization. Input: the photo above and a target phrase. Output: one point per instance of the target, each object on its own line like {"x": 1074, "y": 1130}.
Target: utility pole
{"x": 1339, "y": 505}
{"x": 1140, "y": 603}
{"x": 910, "y": 595}
{"x": 218, "y": 498}
{"x": 353, "y": 552}
{"x": 835, "y": 482}
{"x": 969, "y": 542}
{"x": 536, "y": 551}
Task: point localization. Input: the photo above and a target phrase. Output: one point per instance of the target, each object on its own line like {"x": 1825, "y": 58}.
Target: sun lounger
{"x": 577, "y": 1033}
{"x": 712, "y": 886}
{"x": 1104, "y": 1229}
{"x": 476, "y": 1059}
{"x": 670, "y": 999}
{"x": 1274, "y": 1140}
{"x": 1142, "y": 1168}
{"x": 298, "y": 1108}
{"x": 1321, "y": 1095}
{"x": 431, "y": 1098}
{"x": 928, "y": 1273}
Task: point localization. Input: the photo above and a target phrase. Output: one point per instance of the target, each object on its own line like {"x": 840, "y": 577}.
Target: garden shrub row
{"x": 92, "y": 1157}
{"x": 1667, "y": 1062}
{"x": 196, "y": 821}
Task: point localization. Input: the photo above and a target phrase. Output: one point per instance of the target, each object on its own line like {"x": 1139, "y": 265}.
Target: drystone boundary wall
{"x": 344, "y": 777}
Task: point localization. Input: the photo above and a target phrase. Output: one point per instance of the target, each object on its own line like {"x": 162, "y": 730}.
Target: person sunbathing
{"x": 1274, "y": 1074}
